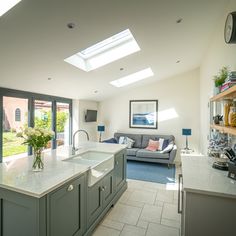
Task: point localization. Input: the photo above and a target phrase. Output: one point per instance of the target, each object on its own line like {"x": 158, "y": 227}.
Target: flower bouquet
{"x": 37, "y": 138}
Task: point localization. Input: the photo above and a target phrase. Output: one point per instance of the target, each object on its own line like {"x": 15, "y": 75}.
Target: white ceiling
{"x": 34, "y": 41}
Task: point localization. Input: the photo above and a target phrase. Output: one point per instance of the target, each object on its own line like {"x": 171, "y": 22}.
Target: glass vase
{"x": 38, "y": 160}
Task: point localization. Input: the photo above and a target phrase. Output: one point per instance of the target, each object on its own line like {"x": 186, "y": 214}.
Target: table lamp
{"x": 187, "y": 132}
{"x": 101, "y": 128}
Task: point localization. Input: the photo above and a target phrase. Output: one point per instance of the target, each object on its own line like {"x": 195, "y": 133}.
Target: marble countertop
{"x": 17, "y": 175}
{"x": 200, "y": 177}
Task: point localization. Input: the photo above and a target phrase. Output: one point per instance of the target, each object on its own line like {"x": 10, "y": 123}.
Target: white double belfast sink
{"x": 100, "y": 163}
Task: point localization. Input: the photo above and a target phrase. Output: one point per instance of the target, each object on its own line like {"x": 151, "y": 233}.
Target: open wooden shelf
{"x": 224, "y": 129}
{"x": 228, "y": 94}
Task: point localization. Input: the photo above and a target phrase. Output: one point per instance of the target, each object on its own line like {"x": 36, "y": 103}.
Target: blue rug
{"x": 152, "y": 172}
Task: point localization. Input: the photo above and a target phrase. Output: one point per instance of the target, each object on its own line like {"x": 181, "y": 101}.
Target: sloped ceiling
{"x": 34, "y": 41}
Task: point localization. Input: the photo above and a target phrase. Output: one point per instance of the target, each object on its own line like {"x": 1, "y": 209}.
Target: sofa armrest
{"x": 173, "y": 154}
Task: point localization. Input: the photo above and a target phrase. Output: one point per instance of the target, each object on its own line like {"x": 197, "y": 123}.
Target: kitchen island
{"x": 59, "y": 200}
{"x": 207, "y": 201}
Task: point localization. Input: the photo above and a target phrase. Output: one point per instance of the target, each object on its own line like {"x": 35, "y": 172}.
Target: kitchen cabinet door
{"x": 94, "y": 202}
{"x": 18, "y": 214}
{"x": 108, "y": 188}
{"x": 66, "y": 210}
{"x": 120, "y": 170}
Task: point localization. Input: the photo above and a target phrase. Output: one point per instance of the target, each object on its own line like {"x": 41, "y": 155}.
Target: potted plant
{"x": 37, "y": 138}
{"x": 220, "y": 78}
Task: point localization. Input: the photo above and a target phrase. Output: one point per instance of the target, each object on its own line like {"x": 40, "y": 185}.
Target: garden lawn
{"x": 12, "y": 145}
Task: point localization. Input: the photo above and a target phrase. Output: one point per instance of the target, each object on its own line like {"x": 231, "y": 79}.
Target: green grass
{"x": 12, "y": 145}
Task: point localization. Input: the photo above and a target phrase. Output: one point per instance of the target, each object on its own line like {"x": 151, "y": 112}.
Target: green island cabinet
{"x": 100, "y": 195}
{"x": 74, "y": 209}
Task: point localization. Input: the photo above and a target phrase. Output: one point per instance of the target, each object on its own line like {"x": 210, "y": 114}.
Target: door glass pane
{"x": 43, "y": 115}
{"x": 15, "y": 117}
{"x": 63, "y": 124}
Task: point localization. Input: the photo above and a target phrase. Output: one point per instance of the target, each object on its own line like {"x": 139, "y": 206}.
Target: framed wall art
{"x": 143, "y": 114}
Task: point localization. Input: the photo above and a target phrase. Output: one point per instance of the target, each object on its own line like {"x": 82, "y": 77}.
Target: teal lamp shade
{"x": 101, "y": 128}
{"x": 186, "y": 132}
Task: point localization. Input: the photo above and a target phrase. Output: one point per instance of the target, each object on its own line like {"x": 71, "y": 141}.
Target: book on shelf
{"x": 227, "y": 85}
{"x": 232, "y": 74}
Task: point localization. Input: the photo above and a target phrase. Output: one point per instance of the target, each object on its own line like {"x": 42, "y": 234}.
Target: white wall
{"x": 218, "y": 54}
{"x": 79, "y": 110}
{"x": 180, "y": 93}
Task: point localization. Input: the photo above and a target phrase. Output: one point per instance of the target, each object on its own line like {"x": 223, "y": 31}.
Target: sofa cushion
{"x": 168, "y": 148}
{"x": 132, "y": 151}
{"x": 126, "y": 140}
{"x": 166, "y": 143}
{"x": 150, "y": 154}
{"x": 152, "y": 145}
{"x": 111, "y": 140}
{"x": 136, "y": 137}
{"x": 156, "y": 137}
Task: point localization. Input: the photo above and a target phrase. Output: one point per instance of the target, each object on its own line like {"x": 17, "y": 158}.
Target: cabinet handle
{"x": 117, "y": 163}
{"x": 179, "y": 191}
{"x": 70, "y": 188}
{"x": 103, "y": 188}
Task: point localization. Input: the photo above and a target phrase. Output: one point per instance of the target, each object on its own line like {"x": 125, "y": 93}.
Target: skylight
{"x": 140, "y": 75}
{"x": 6, "y": 5}
{"x": 104, "y": 52}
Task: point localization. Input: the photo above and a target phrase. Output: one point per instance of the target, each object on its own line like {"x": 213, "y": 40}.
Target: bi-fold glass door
{"x": 14, "y": 119}
{"x": 19, "y": 110}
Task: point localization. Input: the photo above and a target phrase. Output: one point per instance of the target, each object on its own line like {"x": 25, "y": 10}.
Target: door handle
{"x": 179, "y": 192}
{"x": 70, "y": 188}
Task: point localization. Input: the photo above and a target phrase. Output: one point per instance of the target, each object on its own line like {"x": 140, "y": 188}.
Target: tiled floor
{"x": 145, "y": 209}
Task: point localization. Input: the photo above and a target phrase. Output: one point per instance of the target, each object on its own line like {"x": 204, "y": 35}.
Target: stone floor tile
{"x": 176, "y": 195}
{"x": 161, "y": 230}
{"x": 151, "y": 213}
{"x": 159, "y": 203}
{"x": 143, "y": 196}
{"x": 125, "y": 214}
{"x": 125, "y": 196}
{"x": 104, "y": 231}
{"x": 133, "y": 203}
{"x": 171, "y": 223}
{"x": 165, "y": 196}
{"x": 175, "y": 202}
{"x": 153, "y": 185}
{"x": 170, "y": 211}
{"x": 130, "y": 230}
{"x": 142, "y": 224}
{"x": 113, "y": 224}
{"x": 172, "y": 186}
{"x": 140, "y": 185}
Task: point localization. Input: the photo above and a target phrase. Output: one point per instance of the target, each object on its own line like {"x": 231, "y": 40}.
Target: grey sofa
{"x": 139, "y": 153}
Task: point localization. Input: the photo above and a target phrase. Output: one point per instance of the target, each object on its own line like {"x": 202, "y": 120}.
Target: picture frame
{"x": 143, "y": 114}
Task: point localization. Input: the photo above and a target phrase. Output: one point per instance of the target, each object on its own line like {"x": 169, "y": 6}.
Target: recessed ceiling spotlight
{"x": 121, "y": 68}
{"x": 71, "y": 25}
{"x": 96, "y": 91}
{"x": 178, "y": 61}
{"x": 179, "y": 20}
{"x": 49, "y": 78}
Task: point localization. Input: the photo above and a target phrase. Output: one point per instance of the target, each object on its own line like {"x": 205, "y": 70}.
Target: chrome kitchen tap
{"x": 74, "y": 149}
